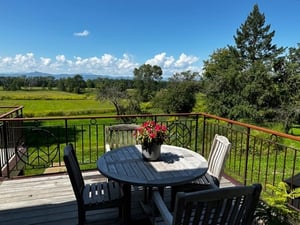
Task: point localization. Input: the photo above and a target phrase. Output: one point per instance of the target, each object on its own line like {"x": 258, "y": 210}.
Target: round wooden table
{"x": 176, "y": 166}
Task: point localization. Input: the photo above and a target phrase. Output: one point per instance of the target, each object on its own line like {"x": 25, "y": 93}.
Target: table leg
{"x": 126, "y": 211}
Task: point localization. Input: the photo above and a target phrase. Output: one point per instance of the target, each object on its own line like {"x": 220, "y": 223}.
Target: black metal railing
{"x": 8, "y": 136}
{"x": 257, "y": 154}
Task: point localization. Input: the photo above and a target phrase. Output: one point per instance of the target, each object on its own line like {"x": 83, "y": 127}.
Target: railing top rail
{"x": 253, "y": 127}
{"x": 10, "y": 107}
{"x": 266, "y": 130}
{"x": 96, "y": 117}
{"x": 15, "y": 109}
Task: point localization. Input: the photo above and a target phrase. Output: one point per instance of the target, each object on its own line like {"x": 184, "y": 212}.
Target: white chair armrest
{"x": 162, "y": 208}
{"x": 107, "y": 148}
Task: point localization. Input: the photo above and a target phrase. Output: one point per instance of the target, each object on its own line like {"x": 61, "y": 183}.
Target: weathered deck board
{"x": 49, "y": 200}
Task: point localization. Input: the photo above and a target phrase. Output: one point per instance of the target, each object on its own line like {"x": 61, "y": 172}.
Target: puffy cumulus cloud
{"x": 45, "y": 61}
{"x": 82, "y": 34}
{"x": 107, "y": 60}
{"x": 126, "y": 63}
{"x": 60, "y": 58}
{"x": 185, "y": 60}
{"x": 6, "y": 60}
{"x": 20, "y": 62}
{"x": 161, "y": 60}
{"x": 170, "y": 65}
{"x": 106, "y": 64}
{"x": 24, "y": 59}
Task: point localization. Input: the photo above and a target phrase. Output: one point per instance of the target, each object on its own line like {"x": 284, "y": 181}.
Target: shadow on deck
{"x": 49, "y": 200}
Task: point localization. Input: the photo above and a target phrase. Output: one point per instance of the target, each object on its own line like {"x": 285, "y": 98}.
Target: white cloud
{"x": 82, "y": 34}
{"x": 170, "y": 66}
{"x": 106, "y": 64}
{"x": 126, "y": 63}
{"x": 157, "y": 60}
{"x": 107, "y": 59}
{"x": 45, "y": 61}
{"x": 60, "y": 58}
{"x": 185, "y": 60}
{"x": 6, "y": 60}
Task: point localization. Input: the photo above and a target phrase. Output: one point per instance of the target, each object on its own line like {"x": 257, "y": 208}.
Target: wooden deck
{"x": 49, "y": 200}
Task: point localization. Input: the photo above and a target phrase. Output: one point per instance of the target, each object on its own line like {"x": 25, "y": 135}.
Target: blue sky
{"x": 112, "y": 37}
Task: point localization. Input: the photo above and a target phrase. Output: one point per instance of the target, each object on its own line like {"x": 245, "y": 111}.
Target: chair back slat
{"x": 120, "y": 135}
{"x": 217, "y": 156}
{"x": 74, "y": 172}
{"x": 225, "y": 206}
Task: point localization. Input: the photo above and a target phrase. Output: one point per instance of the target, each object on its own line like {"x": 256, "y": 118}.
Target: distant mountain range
{"x": 58, "y": 76}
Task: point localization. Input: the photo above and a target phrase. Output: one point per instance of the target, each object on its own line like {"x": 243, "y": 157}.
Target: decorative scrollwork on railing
{"x": 179, "y": 134}
{"x": 93, "y": 121}
{"x": 37, "y": 148}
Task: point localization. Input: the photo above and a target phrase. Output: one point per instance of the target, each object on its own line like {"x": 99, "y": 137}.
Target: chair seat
{"x": 106, "y": 194}
{"x": 207, "y": 179}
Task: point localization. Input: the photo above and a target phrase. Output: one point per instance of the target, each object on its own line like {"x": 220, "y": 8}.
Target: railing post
{"x": 1, "y": 148}
{"x": 196, "y": 133}
{"x": 203, "y": 135}
{"x": 66, "y": 132}
{"x": 247, "y": 155}
{"x": 6, "y": 157}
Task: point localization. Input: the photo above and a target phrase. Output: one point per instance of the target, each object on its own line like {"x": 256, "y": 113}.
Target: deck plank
{"x": 49, "y": 200}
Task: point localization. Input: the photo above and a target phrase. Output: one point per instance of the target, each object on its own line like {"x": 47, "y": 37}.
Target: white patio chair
{"x": 216, "y": 162}
{"x": 120, "y": 135}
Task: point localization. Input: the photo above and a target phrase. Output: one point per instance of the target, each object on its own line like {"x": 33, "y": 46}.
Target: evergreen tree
{"x": 245, "y": 73}
{"x": 254, "y": 40}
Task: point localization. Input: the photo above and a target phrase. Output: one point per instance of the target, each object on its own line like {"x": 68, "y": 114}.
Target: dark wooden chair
{"x": 222, "y": 206}
{"x": 90, "y": 196}
{"x": 216, "y": 161}
{"x": 120, "y": 135}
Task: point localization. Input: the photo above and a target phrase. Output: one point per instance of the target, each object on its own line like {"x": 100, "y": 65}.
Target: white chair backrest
{"x": 120, "y": 135}
{"x": 217, "y": 156}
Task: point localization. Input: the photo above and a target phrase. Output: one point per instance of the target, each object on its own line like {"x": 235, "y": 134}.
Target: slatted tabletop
{"x": 126, "y": 164}
{"x": 176, "y": 166}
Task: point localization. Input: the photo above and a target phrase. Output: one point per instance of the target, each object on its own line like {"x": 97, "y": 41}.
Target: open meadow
{"x": 40, "y": 103}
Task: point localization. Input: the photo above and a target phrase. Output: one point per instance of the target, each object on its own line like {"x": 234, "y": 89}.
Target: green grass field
{"x": 39, "y": 103}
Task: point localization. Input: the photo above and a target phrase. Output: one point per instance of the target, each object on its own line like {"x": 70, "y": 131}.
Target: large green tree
{"x": 146, "y": 81}
{"x": 224, "y": 82}
{"x": 254, "y": 40}
{"x": 244, "y": 73}
{"x": 287, "y": 80}
{"x": 180, "y": 95}
{"x": 120, "y": 94}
